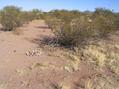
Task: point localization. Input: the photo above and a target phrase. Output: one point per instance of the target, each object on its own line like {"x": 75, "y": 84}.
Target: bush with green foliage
{"x": 36, "y": 13}
{"x": 105, "y": 21}
{"x": 10, "y": 18}
{"x": 74, "y": 27}
{"x": 73, "y": 33}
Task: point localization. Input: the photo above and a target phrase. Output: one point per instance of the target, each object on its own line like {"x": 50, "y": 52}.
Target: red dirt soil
{"x": 15, "y": 66}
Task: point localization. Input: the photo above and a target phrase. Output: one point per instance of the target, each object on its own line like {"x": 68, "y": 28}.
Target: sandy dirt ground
{"x": 19, "y": 71}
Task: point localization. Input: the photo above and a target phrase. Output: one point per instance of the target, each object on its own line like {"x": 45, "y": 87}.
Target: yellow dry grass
{"x": 95, "y": 54}
{"x": 103, "y": 55}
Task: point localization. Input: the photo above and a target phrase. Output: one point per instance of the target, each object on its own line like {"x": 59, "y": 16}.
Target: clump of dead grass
{"x": 102, "y": 82}
{"x": 113, "y": 62}
{"x": 95, "y": 54}
{"x": 3, "y": 85}
{"x": 103, "y": 55}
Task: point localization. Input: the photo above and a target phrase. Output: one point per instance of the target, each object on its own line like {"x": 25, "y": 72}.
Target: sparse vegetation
{"x": 74, "y": 27}
{"x": 77, "y": 36}
{"x": 102, "y": 82}
{"x": 12, "y": 17}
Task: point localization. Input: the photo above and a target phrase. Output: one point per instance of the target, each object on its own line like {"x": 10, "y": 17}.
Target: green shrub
{"x": 105, "y": 21}
{"x": 53, "y": 22}
{"x": 10, "y": 18}
{"x": 28, "y": 16}
{"x": 36, "y": 13}
{"x": 65, "y": 15}
{"x": 74, "y": 27}
{"x": 25, "y": 17}
{"x": 73, "y": 33}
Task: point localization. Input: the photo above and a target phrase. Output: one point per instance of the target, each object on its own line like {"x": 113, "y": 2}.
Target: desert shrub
{"x": 105, "y": 21}
{"x": 10, "y": 18}
{"x": 74, "y": 27}
{"x": 53, "y": 22}
{"x": 0, "y": 17}
{"x": 117, "y": 22}
{"x": 65, "y": 15}
{"x": 43, "y": 15}
{"x": 36, "y": 13}
{"x": 26, "y": 17}
{"x": 73, "y": 33}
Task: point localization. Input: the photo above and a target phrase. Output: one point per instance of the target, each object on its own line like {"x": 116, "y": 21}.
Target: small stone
{"x": 27, "y": 53}
{"x": 38, "y": 54}
{"x": 14, "y": 51}
{"x": 68, "y": 69}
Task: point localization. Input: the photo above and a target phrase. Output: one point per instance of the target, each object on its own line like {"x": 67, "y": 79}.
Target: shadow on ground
{"x": 44, "y": 40}
{"x": 42, "y": 27}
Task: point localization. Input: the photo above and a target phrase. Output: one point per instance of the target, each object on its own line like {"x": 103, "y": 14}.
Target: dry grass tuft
{"x": 95, "y": 54}
{"x": 102, "y": 55}
{"x": 113, "y": 62}
{"x": 102, "y": 82}
{"x": 42, "y": 66}
{"x": 3, "y": 85}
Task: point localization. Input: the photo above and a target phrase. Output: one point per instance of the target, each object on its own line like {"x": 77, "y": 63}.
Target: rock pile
{"x": 35, "y": 52}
